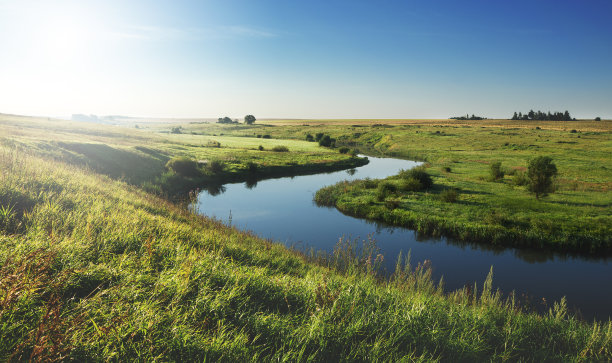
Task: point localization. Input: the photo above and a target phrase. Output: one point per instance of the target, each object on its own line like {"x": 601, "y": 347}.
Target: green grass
{"x": 578, "y": 216}
{"x": 139, "y": 156}
{"x": 95, "y": 268}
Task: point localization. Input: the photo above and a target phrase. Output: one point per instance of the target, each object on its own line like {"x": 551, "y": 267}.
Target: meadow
{"x": 458, "y": 155}
{"x": 94, "y": 267}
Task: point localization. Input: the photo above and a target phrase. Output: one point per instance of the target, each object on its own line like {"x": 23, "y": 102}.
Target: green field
{"x": 139, "y": 156}
{"x": 94, "y": 267}
{"x": 458, "y": 155}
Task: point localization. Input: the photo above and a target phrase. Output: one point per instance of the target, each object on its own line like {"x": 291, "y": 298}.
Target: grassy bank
{"x": 93, "y": 268}
{"x": 459, "y": 155}
{"x": 139, "y": 155}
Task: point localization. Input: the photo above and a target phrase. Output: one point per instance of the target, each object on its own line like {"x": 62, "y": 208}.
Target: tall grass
{"x": 101, "y": 270}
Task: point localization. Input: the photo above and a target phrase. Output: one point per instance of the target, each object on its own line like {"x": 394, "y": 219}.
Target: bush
{"x": 327, "y": 141}
{"x": 540, "y": 173}
{"x": 449, "y": 195}
{"x": 411, "y": 185}
{"x": 215, "y": 166}
{"x": 597, "y": 118}
{"x": 176, "y": 130}
{"x": 261, "y": 148}
{"x": 184, "y": 166}
{"x": 213, "y": 143}
{"x": 573, "y": 131}
{"x": 370, "y": 183}
{"x": 319, "y": 136}
{"x": 344, "y": 150}
{"x": 392, "y": 203}
{"x": 447, "y": 169}
{"x": 419, "y": 174}
{"x": 266, "y": 136}
{"x": 280, "y": 148}
{"x": 309, "y": 137}
{"x": 384, "y": 190}
{"x": 519, "y": 178}
{"x": 496, "y": 171}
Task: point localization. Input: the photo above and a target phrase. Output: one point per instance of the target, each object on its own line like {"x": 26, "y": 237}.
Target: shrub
{"x": 261, "y": 148}
{"x": 597, "y": 118}
{"x": 449, "y": 195}
{"x": 319, "y": 136}
{"x": 392, "y": 203}
{"x": 326, "y": 141}
{"x": 540, "y": 173}
{"x": 176, "y": 130}
{"x": 184, "y": 166}
{"x": 213, "y": 143}
{"x": 215, "y": 166}
{"x": 309, "y": 137}
{"x": 418, "y": 173}
{"x": 280, "y": 148}
{"x": 370, "y": 183}
{"x": 251, "y": 167}
{"x": 344, "y": 150}
{"x": 411, "y": 185}
{"x": 447, "y": 169}
{"x": 519, "y": 178}
{"x": 266, "y": 136}
{"x": 573, "y": 131}
{"x": 496, "y": 171}
{"x": 384, "y": 190}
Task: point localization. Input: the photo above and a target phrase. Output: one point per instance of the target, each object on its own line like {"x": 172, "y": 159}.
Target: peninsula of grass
{"x": 93, "y": 268}
{"x": 141, "y": 156}
{"x": 458, "y": 154}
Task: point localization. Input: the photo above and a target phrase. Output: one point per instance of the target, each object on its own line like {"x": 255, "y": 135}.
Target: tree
{"x": 540, "y": 173}
{"x": 249, "y": 119}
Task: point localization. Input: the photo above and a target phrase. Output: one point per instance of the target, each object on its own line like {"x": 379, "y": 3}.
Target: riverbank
{"x": 94, "y": 268}
{"x": 139, "y": 156}
{"x": 458, "y": 155}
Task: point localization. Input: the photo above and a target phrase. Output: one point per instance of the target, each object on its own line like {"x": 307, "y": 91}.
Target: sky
{"x": 306, "y": 59}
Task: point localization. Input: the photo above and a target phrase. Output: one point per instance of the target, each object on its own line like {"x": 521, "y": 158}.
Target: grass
{"x": 95, "y": 268}
{"x": 458, "y": 155}
{"x": 103, "y": 270}
{"x": 139, "y": 156}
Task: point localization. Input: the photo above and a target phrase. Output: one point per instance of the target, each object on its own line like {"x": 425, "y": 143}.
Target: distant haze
{"x": 305, "y": 59}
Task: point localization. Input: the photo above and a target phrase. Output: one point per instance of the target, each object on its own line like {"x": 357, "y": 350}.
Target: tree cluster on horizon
{"x": 226, "y": 120}
{"x": 468, "y": 117}
{"x": 542, "y": 116}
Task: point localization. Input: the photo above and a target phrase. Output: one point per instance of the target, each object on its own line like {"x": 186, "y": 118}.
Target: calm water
{"x": 283, "y": 210}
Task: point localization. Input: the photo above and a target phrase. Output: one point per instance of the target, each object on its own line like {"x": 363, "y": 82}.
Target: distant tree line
{"x": 248, "y": 119}
{"x": 543, "y": 116}
{"x": 468, "y": 117}
{"x": 226, "y": 120}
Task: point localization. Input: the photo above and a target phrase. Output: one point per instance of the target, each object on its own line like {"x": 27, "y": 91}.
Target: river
{"x": 283, "y": 210}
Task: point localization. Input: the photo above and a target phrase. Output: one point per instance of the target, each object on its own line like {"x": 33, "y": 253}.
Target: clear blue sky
{"x": 289, "y": 58}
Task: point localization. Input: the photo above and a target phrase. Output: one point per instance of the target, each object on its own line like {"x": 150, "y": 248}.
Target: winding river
{"x": 283, "y": 210}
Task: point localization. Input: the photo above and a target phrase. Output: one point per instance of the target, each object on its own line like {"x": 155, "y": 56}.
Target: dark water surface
{"x": 283, "y": 210}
